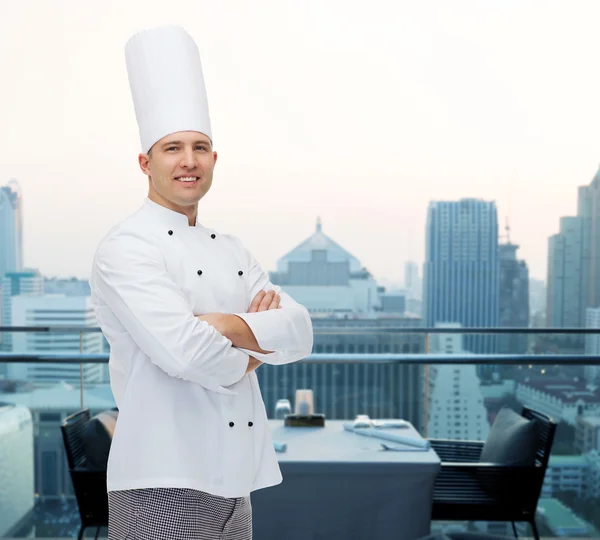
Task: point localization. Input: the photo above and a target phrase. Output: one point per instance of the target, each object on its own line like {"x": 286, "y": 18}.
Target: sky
{"x": 360, "y": 113}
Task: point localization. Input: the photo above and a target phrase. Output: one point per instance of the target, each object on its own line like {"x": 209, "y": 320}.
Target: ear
{"x": 215, "y": 156}
{"x": 143, "y": 160}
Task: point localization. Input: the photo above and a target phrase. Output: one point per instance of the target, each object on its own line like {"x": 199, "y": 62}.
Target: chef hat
{"x": 167, "y": 84}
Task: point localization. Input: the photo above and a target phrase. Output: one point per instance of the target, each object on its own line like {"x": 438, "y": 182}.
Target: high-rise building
{"x": 413, "y": 287}
{"x": 537, "y": 302}
{"x": 461, "y": 271}
{"x": 26, "y": 283}
{"x": 55, "y": 310}
{"x": 412, "y": 282}
{"x": 514, "y": 299}
{"x": 592, "y": 344}
{"x": 566, "y": 284}
{"x": 574, "y": 262}
{"x": 11, "y": 228}
{"x": 455, "y": 401}
{"x": 588, "y": 212}
{"x": 325, "y": 278}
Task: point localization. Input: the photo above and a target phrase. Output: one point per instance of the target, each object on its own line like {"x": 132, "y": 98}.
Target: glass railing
{"x": 422, "y": 375}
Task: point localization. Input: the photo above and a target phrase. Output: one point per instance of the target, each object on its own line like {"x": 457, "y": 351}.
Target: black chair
{"x": 469, "y": 490}
{"x": 89, "y": 484}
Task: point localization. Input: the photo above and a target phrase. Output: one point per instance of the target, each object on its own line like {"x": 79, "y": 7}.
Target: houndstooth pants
{"x": 177, "y": 514}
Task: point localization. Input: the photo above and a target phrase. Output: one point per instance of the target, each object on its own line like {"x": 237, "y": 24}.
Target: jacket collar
{"x": 169, "y": 218}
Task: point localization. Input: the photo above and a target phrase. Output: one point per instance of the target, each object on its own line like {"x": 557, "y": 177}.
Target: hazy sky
{"x": 359, "y": 112}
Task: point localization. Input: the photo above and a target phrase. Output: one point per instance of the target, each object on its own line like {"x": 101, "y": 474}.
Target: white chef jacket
{"x": 189, "y": 416}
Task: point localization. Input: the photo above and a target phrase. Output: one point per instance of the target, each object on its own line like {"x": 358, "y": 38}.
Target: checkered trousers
{"x": 177, "y": 514}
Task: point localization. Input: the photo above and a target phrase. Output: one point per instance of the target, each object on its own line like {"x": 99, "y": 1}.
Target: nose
{"x": 188, "y": 159}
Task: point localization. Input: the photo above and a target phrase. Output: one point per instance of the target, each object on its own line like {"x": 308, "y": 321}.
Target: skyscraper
{"x": 565, "y": 305}
{"x": 456, "y": 409}
{"x": 27, "y": 283}
{"x": 11, "y": 228}
{"x": 592, "y": 344}
{"x": 574, "y": 262}
{"x": 461, "y": 271}
{"x": 413, "y": 287}
{"x": 514, "y": 299}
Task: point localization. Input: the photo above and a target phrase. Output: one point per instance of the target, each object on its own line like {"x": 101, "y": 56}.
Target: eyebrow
{"x": 173, "y": 143}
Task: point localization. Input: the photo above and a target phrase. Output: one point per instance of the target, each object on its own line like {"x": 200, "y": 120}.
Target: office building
{"x": 55, "y": 311}
{"x": 455, "y": 402}
{"x": 514, "y": 300}
{"x": 461, "y": 271}
{"x": 25, "y": 283}
{"x": 325, "y": 278}
{"x": 11, "y": 228}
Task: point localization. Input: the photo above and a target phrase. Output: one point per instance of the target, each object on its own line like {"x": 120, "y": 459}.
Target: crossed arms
{"x": 130, "y": 283}
{"x": 237, "y": 330}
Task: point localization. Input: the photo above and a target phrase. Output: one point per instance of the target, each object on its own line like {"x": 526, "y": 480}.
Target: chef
{"x": 189, "y": 315}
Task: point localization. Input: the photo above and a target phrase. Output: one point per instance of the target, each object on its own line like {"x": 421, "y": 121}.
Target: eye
{"x": 171, "y": 148}
{"x": 201, "y": 147}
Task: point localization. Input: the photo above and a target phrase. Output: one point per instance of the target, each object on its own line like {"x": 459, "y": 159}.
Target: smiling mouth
{"x": 187, "y": 179}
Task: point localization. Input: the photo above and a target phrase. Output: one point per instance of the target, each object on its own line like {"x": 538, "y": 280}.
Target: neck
{"x": 191, "y": 212}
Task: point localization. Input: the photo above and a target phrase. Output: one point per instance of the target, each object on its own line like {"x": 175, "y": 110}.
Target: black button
{"x": 240, "y": 273}
{"x": 199, "y": 272}
{"x": 250, "y": 424}
{"x": 213, "y": 236}
{"x": 231, "y": 424}
{"x": 170, "y": 233}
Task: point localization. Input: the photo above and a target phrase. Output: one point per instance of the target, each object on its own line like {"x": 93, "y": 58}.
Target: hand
{"x": 264, "y": 301}
{"x": 253, "y": 363}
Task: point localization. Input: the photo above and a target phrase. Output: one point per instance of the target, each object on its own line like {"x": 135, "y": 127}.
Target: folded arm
{"x": 287, "y": 331}
{"x": 236, "y": 329}
{"x": 129, "y": 276}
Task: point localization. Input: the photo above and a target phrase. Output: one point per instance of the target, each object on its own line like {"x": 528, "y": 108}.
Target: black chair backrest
{"x": 547, "y": 428}
{"x": 72, "y": 430}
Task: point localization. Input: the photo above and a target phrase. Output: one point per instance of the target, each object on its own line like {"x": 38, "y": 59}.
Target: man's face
{"x": 180, "y": 169}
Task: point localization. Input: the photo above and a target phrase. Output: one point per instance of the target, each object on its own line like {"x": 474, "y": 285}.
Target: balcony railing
{"x": 456, "y": 395}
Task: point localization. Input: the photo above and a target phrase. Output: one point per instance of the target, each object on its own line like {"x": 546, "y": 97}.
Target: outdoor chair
{"x": 499, "y": 479}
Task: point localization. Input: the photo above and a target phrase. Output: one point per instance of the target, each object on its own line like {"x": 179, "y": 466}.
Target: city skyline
{"x": 358, "y": 116}
{"x": 404, "y": 282}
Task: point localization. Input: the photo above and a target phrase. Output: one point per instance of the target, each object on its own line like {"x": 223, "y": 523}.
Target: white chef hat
{"x": 167, "y": 84}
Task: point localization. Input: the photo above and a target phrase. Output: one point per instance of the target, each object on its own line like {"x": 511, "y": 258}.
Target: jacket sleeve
{"x": 287, "y": 331}
{"x": 129, "y": 274}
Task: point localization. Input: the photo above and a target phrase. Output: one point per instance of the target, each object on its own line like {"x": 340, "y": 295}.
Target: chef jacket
{"x": 189, "y": 416}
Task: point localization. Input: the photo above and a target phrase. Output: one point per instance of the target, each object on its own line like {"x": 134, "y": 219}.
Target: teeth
{"x": 188, "y": 179}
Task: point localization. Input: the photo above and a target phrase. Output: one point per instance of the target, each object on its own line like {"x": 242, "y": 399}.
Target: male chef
{"x": 189, "y": 315}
